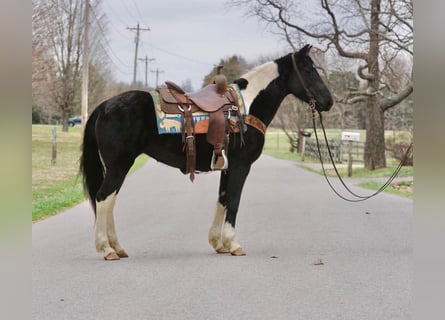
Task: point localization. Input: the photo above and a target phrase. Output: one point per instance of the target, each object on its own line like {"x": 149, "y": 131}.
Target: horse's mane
{"x": 258, "y": 78}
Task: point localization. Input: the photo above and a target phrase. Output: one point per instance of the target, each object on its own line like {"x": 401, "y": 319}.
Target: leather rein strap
{"x": 358, "y": 198}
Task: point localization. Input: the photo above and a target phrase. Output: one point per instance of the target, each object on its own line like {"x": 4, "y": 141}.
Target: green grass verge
{"x": 56, "y": 187}
{"x": 362, "y": 172}
{"x": 394, "y": 189}
{"x": 277, "y": 145}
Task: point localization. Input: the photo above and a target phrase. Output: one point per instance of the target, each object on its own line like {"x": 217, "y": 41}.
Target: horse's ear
{"x": 305, "y": 50}
{"x": 242, "y": 83}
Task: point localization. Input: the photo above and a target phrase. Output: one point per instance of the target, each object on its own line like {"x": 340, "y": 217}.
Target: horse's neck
{"x": 262, "y": 95}
{"x": 267, "y": 102}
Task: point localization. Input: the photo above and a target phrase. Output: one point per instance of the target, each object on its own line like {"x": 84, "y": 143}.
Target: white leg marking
{"x": 228, "y": 238}
{"x": 111, "y": 229}
{"x": 216, "y": 227}
{"x": 104, "y": 209}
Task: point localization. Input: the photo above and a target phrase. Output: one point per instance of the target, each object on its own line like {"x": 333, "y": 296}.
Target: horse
{"x": 124, "y": 126}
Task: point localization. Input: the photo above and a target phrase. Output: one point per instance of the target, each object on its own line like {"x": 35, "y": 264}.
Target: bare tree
{"x": 57, "y": 54}
{"x": 65, "y": 21}
{"x": 43, "y": 65}
{"x": 371, "y": 32}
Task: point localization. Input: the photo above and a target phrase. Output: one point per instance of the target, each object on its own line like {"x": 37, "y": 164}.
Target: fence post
{"x": 350, "y": 160}
{"x": 278, "y": 141}
{"x": 303, "y": 146}
{"x": 54, "y": 148}
{"x": 340, "y": 160}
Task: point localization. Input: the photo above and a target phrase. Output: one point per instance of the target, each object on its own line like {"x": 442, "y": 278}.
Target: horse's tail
{"x": 91, "y": 166}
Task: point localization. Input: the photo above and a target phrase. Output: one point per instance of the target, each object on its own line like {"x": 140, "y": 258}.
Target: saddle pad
{"x": 172, "y": 123}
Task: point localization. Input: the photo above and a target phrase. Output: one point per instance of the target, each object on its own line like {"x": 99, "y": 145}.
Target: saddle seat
{"x": 211, "y": 98}
{"x": 217, "y": 99}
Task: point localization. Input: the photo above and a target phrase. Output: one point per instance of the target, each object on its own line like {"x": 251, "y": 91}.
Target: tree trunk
{"x": 375, "y": 136}
{"x": 375, "y": 126}
{"x": 65, "y": 116}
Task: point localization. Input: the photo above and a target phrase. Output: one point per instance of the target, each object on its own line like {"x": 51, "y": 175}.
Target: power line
{"x": 108, "y": 48}
{"x": 138, "y": 10}
{"x": 183, "y": 57}
{"x": 130, "y": 13}
{"x": 116, "y": 15}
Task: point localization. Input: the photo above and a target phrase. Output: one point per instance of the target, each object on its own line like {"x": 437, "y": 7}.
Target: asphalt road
{"x": 288, "y": 222}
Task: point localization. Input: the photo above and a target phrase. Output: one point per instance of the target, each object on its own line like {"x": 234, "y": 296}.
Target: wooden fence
{"x": 340, "y": 150}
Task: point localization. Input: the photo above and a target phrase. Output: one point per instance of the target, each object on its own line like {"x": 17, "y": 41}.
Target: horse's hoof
{"x": 222, "y": 250}
{"x": 111, "y": 256}
{"x": 122, "y": 254}
{"x": 238, "y": 252}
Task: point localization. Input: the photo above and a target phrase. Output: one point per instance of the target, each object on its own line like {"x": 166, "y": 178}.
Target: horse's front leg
{"x": 215, "y": 232}
{"x": 235, "y": 183}
{"x": 228, "y": 234}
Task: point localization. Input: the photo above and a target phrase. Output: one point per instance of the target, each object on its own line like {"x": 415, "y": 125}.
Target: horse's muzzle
{"x": 325, "y": 104}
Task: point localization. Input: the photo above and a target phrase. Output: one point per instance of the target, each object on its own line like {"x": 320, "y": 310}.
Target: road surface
{"x": 310, "y": 255}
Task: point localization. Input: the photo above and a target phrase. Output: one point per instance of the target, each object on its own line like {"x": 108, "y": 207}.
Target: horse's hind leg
{"x": 105, "y": 231}
{"x": 112, "y": 236}
{"x": 104, "y": 209}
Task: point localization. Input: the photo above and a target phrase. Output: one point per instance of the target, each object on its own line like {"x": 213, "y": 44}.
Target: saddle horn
{"x": 220, "y": 81}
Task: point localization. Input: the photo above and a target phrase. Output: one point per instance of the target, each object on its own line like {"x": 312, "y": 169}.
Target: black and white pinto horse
{"x": 123, "y": 127}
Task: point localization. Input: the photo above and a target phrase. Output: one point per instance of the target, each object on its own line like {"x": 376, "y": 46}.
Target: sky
{"x": 186, "y": 38}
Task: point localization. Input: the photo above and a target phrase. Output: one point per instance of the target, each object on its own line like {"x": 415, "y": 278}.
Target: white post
{"x": 54, "y": 146}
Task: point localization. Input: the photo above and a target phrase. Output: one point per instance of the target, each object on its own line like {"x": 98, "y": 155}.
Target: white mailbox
{"x": 350, "y": 136}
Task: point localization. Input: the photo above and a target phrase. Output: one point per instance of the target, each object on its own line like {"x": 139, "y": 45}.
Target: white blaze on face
{"x": 258, "y": 78}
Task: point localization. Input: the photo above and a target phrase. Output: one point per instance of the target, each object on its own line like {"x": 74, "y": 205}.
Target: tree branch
{"x": 392, "y": 101}
{"x": 336, "y": 36}
{"x": 364, "y": 76}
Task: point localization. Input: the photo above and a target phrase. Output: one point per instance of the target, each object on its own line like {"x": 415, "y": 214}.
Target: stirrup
{"x": 219, "y": 162}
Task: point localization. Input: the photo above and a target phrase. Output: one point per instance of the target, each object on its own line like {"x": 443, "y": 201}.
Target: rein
{"x": 358, "y": 198}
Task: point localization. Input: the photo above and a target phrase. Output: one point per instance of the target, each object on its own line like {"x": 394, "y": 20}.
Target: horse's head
{"x": 303, "y": 80}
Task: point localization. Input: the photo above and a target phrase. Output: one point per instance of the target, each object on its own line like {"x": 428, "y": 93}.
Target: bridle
{"x": 358, "y": 198}
{"x": 312, "y": 101}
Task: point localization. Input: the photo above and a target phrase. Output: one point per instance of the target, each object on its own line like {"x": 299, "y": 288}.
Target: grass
{"x": 56, "y": 187}
{"x": 359, "y": 172}
{"x": 277, "y": 145}
{"x": 403, "y": 188}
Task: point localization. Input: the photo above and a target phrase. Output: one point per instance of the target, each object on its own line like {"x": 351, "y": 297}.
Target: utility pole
{"x": 136, "y": 41}
{"x": 157, "y": 71}
{"x": 85, "y": 66}
{"x": 146, "y": 67}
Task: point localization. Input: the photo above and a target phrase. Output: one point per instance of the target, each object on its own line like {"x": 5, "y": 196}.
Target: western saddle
{"x": 220, "y": 102}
